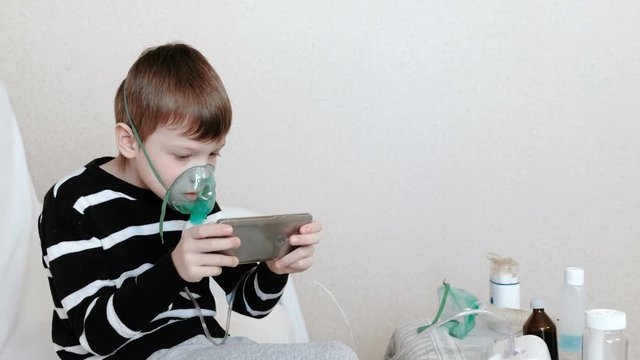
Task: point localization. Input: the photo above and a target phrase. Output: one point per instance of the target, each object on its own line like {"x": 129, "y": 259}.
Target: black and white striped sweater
{"x": 115, "y": 289}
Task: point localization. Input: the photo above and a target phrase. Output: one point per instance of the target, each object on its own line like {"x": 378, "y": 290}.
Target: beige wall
{"x": 423, "y": 134}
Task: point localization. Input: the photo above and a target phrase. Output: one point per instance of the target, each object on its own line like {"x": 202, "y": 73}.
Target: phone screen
{"x": 265, "y": 237}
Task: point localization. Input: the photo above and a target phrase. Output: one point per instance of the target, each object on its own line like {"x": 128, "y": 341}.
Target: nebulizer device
{"x": 457, "y": 312}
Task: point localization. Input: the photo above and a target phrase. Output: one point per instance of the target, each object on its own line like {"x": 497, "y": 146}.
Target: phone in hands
{"x": 264, "y": 237}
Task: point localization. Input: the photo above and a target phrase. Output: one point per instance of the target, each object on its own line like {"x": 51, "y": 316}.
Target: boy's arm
{"x": 258, "y": 293}
{"x": 104, "y": 312}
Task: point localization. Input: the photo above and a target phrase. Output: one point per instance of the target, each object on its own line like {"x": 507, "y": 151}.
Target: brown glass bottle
{"x": 540, "y": 325}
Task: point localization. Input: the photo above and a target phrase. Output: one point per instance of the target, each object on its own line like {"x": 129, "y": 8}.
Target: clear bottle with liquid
{"x": 571, "y": 324}
{"x": 604, "y": 338}
{"x": 541, "y": 325}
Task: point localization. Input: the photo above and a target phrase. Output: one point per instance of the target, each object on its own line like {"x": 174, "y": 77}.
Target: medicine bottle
{"x": 571, "y": 324}
{"x": 541, "y": 325}
{"x": 604, "y": 338}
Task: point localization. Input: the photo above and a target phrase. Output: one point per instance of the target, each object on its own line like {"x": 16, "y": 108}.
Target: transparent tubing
{"x": 336, "y": 302}
{"x": 232, "y": 299}
{"x": 509, "y": 352}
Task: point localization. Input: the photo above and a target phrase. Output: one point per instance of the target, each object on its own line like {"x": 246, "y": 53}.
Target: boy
{"x": 119, "y": 289}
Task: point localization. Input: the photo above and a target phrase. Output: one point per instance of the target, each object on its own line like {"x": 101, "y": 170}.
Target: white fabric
{"x": 25, "y": 305}
{"x": 14, "y": 217}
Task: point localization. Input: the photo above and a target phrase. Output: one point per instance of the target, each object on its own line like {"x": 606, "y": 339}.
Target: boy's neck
{"x": 121, "y": 169}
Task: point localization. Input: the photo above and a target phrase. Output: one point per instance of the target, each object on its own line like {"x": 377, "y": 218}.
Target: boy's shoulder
{"x": 92, "y": 185}
{"x": 79, "y": 182}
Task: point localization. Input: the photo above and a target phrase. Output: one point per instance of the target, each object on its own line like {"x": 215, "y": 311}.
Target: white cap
{"x": 537, "y": 303}
{"x": 574, "y": 276}
{"x": 606, "y": 319}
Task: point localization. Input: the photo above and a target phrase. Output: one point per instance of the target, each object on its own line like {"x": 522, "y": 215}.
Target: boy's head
{"x": 180, "y": 109}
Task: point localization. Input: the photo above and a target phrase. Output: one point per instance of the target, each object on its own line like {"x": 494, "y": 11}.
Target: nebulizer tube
{"x": 333, "y": 298}
{"x": 231, "y": 300}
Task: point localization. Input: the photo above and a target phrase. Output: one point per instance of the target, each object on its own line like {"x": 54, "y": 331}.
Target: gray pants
{"x": 240, "y": 348}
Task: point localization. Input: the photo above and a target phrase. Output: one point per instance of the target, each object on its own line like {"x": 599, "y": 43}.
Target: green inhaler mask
{"x": 193, "y": 193}
{"x": 452, "y": 301}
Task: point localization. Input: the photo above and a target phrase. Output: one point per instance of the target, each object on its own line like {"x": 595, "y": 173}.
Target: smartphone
{"x": 264, "y": 237}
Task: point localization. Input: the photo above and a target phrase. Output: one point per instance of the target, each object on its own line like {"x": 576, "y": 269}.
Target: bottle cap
{"x": 606, "y": 319}
{"x": 537, "y": 303}
{"x": 504, "y": 271}
{"x": 574, "y": 276}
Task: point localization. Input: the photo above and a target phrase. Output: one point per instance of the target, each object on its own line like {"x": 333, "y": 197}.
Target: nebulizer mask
{"x": 452, "y": 301}
{"x": 192, "y": 193}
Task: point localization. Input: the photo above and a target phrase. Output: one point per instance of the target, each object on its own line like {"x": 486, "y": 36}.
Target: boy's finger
{"x": 206, "y": 271}
{"x": 295, "y": 255}
{"x": 300, "y": 264}
{"x": 303, "y": 240}
{"x": 211, "y": 230}
{"x": 208, "y": 245}
{"x": 311, "y": 227}
{"x": 217, "y": 260}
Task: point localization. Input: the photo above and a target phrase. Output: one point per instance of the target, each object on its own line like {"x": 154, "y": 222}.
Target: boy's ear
{"x": 126, "y": 141}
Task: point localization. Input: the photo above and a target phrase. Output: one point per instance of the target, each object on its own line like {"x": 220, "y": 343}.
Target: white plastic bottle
{"x": 571, "y": 324}
{"x": 604, "y": 338}
{"x": 504, "y": 283}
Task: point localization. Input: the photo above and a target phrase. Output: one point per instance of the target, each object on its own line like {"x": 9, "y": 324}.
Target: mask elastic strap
{"x": 162, "y": 214}
{"x": 146, "y": 155}
{"x": 447, "y": 289}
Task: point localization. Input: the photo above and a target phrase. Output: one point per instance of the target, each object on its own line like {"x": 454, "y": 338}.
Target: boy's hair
{"x": 174, "y": 84}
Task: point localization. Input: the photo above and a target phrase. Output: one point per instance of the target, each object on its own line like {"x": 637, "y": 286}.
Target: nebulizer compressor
{"x": 463, "y": 308}
{"x": 457, "y": 312}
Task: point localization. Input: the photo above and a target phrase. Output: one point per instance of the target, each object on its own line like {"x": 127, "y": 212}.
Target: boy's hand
{"x": 197, "y": 254}
{"x": 301, "y": 258}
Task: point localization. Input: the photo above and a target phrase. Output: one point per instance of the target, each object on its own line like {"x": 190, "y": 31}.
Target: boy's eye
{"x": 182, "y": 157}
{"x": 214, "y": 154}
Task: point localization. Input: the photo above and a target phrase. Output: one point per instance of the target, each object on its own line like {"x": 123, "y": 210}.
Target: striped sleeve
{"x": 258, "y": 293}
{"x": 104, "y": 310}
